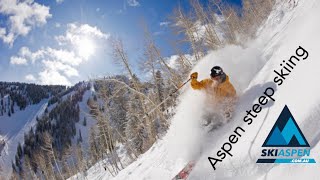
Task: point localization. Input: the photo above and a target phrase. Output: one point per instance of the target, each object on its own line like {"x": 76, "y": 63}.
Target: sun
{"x": 85, "y": 47}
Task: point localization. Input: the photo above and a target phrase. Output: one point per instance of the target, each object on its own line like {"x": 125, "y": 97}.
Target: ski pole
{"x": 170, "y": 95}
{"x": 180, "y": 87}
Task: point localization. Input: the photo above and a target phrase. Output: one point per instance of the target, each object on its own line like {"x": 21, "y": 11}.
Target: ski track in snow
{"x": 251, "y": 70}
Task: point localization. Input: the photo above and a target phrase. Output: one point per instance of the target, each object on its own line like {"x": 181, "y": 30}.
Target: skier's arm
{"x": 195, "y": 84}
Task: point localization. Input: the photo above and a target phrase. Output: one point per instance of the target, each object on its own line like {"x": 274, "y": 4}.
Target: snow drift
{"x": 251, "y": 70}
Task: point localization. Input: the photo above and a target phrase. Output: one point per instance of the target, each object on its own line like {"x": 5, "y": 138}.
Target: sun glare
{"x": 86, "y": 48}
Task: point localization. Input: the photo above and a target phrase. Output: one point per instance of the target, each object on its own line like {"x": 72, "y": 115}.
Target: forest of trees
{"x": 21, "y": 95}
{"x": 49, "y": 142}
{"x": 128, "y": 110}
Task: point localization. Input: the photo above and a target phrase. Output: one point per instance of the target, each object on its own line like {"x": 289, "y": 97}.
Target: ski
{"x": 184, "y": 173}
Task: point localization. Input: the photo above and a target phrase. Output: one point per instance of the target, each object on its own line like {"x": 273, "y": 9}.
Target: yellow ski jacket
{"x": 220, "y": 92}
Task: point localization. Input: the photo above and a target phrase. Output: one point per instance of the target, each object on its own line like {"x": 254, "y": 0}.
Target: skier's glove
{"x": 194, "y": 75}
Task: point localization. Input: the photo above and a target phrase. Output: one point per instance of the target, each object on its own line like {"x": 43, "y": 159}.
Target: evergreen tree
{"x": 84, "y": 121}
{"x": 12, "y": 107}
{"x": 19, "y": 150}
{"x": 80, "y": 137}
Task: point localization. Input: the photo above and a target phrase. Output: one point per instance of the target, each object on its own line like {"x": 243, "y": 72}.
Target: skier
{"x": 221, "y": 91}
{"x": 222, "y": 98}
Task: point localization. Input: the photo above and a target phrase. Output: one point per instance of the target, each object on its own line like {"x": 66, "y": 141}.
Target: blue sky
{"x": 66, "y": 41}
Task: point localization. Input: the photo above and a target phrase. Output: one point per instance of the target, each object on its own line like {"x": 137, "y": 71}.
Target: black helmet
{"x": 216, "y": 71}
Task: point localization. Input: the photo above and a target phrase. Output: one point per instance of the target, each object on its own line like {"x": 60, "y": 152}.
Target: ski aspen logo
{"x": 285, "y": 142}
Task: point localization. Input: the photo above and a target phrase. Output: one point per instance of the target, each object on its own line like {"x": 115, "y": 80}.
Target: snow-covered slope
{"x": 90, "y": 121}
{"x": 251, "y": 69}
{"x": 13, "y": 129}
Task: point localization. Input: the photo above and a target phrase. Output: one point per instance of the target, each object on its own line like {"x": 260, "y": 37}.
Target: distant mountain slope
{"x": 20, "y": 105}
{"x": 15, "y": 127}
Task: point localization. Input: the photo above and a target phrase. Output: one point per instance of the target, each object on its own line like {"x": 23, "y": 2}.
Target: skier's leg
{"x": 207, "y": 118}
{"x": 217, "y": 121}
{"x": 228, "y": 109}
{"x": 212, "y": 118}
